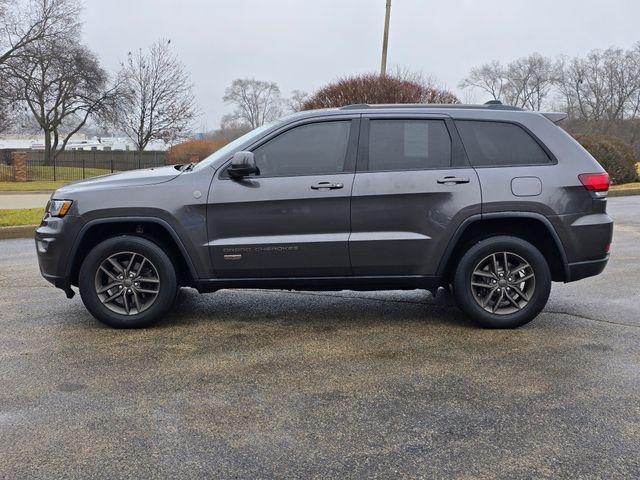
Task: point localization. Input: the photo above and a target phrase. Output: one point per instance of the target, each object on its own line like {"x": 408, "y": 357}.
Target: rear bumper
{"x": 580, "y": 270}
{"x": 586, "y": 240}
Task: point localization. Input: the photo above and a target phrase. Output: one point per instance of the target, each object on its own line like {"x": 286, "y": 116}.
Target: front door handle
{"x": 327, "y": 186}
{"x": 447, "y": 180}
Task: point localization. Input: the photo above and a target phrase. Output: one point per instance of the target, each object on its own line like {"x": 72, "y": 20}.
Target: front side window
{"x": 408, "y": 145}
{"x": 313, "y": 149}
{"x": 491, "y": 144}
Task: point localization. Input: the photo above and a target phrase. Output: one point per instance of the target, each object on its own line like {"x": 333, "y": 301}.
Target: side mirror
{"x": 243, "y": 164}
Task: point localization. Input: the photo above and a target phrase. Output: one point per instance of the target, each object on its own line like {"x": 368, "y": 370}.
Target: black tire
{"x": 526, "y": 307}
{"x": 161, "y": 302}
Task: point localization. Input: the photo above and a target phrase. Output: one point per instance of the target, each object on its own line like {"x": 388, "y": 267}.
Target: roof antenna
{"x": 493, "y": 102}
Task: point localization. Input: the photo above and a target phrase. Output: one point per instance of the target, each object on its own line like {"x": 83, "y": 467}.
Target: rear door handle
{"x": 327, "y": 186}
{"x": 446, "y": 180}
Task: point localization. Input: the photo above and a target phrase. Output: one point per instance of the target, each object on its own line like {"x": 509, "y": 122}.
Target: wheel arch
{"x": 532, "y": 227}
{"x": 154, "y": 229}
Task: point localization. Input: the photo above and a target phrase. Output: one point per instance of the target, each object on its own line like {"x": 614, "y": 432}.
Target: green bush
{"x": 615, "y": 156}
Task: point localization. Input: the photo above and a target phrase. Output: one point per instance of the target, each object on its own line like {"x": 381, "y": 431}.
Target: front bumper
{"x": 60, "y": 282}
{"x": 54, "y": 239}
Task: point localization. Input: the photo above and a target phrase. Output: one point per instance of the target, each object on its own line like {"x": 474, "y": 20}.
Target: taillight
{"x": 598, "y": 183}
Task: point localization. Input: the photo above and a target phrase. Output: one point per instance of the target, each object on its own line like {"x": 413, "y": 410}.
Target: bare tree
{"x": 7, "y": 101}
{"x": 22, "y": 24}
{"x": 604, "y": 86}
{"x": 157, "y": 101}
{"x": 489, "y": 78}
{"x": 634, "y": 100}
{"x": 257, "y": 102}
{"x": 599, "y": 91}
{"x": 526, "y": 82}
{"x": 529, "y": 81}
{"x": 296, "y": 101}
{"x": 62, "y": 85}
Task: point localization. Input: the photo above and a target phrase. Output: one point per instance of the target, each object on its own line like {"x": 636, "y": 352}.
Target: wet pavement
{"x": 262, "y": 384}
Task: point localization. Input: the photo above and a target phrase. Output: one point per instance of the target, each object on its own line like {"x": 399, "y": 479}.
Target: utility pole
{"x": 385, "y": 41}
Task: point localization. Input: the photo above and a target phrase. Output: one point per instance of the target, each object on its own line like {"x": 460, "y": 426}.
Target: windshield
{"x": 230, "y": 147}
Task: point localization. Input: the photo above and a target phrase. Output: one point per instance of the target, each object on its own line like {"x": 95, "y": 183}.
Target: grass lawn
{"x": 30, "y": 186}
{"x": 22, "y": 216}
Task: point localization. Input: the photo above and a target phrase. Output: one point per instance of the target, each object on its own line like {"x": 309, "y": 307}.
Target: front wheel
{"x": 502, "y": 282}
{"x": 127, "y": 282}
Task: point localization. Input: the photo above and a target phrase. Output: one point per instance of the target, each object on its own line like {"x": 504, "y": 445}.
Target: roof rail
{"x": 355, "y": 106}
{"x": 491, "y": 105}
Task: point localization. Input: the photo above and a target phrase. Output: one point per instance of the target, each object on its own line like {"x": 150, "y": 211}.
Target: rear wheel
{"x": 502, "y": 282}
{"x": 128, "y": 282}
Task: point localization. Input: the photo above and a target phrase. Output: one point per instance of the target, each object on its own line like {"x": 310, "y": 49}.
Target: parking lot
{"x": 255, "y": 384}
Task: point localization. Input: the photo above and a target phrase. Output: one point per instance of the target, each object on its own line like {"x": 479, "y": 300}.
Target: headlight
{"x": 58, "y": 208}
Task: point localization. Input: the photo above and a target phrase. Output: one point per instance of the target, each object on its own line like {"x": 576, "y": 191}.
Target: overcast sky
{"x": 303, "y": 44}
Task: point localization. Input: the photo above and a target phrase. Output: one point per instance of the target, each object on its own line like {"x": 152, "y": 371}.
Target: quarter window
{"x": 408, "y": 144}
{"x": 314, "y": 149}
{"x": 491, "y": 144}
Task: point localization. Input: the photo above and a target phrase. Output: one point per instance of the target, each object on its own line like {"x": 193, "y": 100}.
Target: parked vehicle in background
{"x": 491, "y": 200}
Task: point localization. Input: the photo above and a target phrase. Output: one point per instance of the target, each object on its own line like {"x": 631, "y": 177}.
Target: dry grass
{"x": 30, "y": 186}
{"x": 626, "y": 186}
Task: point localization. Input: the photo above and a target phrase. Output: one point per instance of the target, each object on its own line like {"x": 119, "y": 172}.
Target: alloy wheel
{"x": 127, "y": 283}
{"x": 503, "y": 283}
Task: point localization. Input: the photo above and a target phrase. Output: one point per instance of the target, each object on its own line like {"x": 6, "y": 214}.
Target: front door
{"x": 293, "y": 218}
{"x": 413, "y": 188}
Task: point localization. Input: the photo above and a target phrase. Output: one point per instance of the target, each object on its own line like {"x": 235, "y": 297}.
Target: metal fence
{"x": 79, "y": 164}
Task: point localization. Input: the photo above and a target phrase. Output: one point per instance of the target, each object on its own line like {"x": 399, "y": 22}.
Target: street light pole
{"x": 385, "y": 40}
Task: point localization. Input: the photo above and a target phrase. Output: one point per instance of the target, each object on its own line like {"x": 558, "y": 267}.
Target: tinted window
{"x": 314, "y": 149}
{"x": 408, "y": 144}
{"x": 498, "y": 143}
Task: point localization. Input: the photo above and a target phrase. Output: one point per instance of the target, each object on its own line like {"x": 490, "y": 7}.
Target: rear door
{"x": 413, "y": 188}
{"x": 293, "y": 219}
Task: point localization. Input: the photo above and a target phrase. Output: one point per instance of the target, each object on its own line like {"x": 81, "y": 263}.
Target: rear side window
{"x": 408, "y": 144}
{"x": 491, "y": 144}
{"x": 314, "y": 149}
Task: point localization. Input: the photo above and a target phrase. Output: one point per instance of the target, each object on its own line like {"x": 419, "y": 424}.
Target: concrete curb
{"x": 20, "y": 231}
{"x": 624, "y": 192}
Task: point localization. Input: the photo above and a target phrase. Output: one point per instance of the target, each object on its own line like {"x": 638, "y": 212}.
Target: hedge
{"x": 615, "y": 156}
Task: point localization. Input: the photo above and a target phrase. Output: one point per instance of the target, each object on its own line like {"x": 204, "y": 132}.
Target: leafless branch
{"x": 257, "y": 102}
{"x": 157, "y": 101}
{"x": 62, "y": 84}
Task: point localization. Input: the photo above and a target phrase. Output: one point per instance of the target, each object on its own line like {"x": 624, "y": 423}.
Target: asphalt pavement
{"x": 275, "y": 384}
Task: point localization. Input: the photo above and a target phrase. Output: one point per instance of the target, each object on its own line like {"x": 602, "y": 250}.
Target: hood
{"x": 131, "y": 178}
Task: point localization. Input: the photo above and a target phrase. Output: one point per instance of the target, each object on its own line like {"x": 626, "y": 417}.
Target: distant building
{"x": 77, "y": 142}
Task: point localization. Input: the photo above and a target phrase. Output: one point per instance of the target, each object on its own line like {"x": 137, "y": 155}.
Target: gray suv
{"x": 488, "y": 200}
